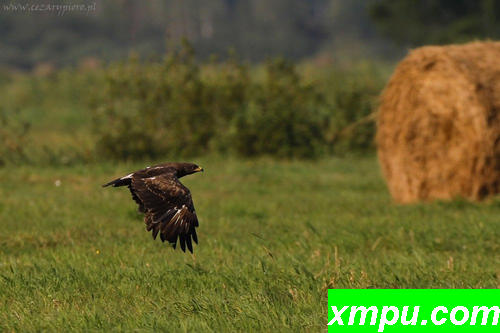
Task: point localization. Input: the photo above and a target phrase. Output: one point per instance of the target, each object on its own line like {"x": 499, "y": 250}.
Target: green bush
{"x": 13, "y": 137}
{"x": 149, "y": 110}
{"x": 180, "y": 107}
{"x": 354, "y": 100}
{"x": 282, "y": 116}
{"x": 44, "y": 119}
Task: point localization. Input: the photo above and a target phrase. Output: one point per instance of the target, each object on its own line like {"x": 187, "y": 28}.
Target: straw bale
{"x": 438, "y": 128}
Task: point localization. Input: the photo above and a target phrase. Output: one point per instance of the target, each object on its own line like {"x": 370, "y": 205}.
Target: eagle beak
{"x": 198, "y": 169}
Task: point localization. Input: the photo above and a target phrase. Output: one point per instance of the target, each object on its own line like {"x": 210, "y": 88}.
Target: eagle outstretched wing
{"x": 168, "y": 208}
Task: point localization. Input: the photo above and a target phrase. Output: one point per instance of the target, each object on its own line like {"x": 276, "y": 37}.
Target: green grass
{"x": 274, "y": 236}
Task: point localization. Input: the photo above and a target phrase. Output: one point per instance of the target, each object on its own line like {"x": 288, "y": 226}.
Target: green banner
{"x": 413, "y": 310}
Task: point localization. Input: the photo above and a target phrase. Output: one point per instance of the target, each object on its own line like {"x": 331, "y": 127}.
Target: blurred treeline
{"x": 181, "y": 107}
{"x": 256, "y": 29}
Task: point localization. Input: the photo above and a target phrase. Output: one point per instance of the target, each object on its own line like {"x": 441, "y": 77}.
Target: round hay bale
{"x": 438, "y": 128}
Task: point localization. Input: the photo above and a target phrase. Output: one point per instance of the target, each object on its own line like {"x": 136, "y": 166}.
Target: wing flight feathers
{"x": 168, "y": 208}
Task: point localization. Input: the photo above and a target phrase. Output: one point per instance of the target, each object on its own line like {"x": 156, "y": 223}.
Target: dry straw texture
{"x": 438, "y": 131}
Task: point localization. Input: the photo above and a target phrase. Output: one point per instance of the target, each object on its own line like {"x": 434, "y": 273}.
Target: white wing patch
{"x": 127, "y": 176}
{"x": 178, "y": 217}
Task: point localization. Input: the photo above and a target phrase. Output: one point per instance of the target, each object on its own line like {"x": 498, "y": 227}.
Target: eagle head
{"x": 184, "y": 169}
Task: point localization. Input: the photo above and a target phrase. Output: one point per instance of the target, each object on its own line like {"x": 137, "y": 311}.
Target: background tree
{"x": 255, "y": 29}
{"x": 413, "y": 23}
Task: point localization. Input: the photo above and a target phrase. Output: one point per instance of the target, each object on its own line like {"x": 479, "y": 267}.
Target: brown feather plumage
{"x": 165, "y": 201}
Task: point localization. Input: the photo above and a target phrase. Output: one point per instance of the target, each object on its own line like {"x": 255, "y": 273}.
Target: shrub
{"x": 180, "y": 108}
{"x": 13, "y": 137}
{"x": 168, "y": 109}
{"x": 282, "y": 116}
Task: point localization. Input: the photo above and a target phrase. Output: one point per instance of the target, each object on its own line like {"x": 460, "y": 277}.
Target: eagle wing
{"x": 168, "y": 207}
{"x": 136, "y": 199}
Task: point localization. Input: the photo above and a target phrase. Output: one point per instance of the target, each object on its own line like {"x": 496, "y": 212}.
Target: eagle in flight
{"x": 166, "y": 203}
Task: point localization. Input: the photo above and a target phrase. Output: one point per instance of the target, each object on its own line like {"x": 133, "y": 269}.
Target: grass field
{"x": 274, "y": 236}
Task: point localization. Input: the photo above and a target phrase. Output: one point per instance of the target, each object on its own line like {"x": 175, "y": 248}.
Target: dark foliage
{"x": 422, "y": 22}
{"x": 182, "y": 108}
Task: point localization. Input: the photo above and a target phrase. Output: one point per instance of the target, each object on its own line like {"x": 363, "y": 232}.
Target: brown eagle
{"x": 166, "y": 203}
